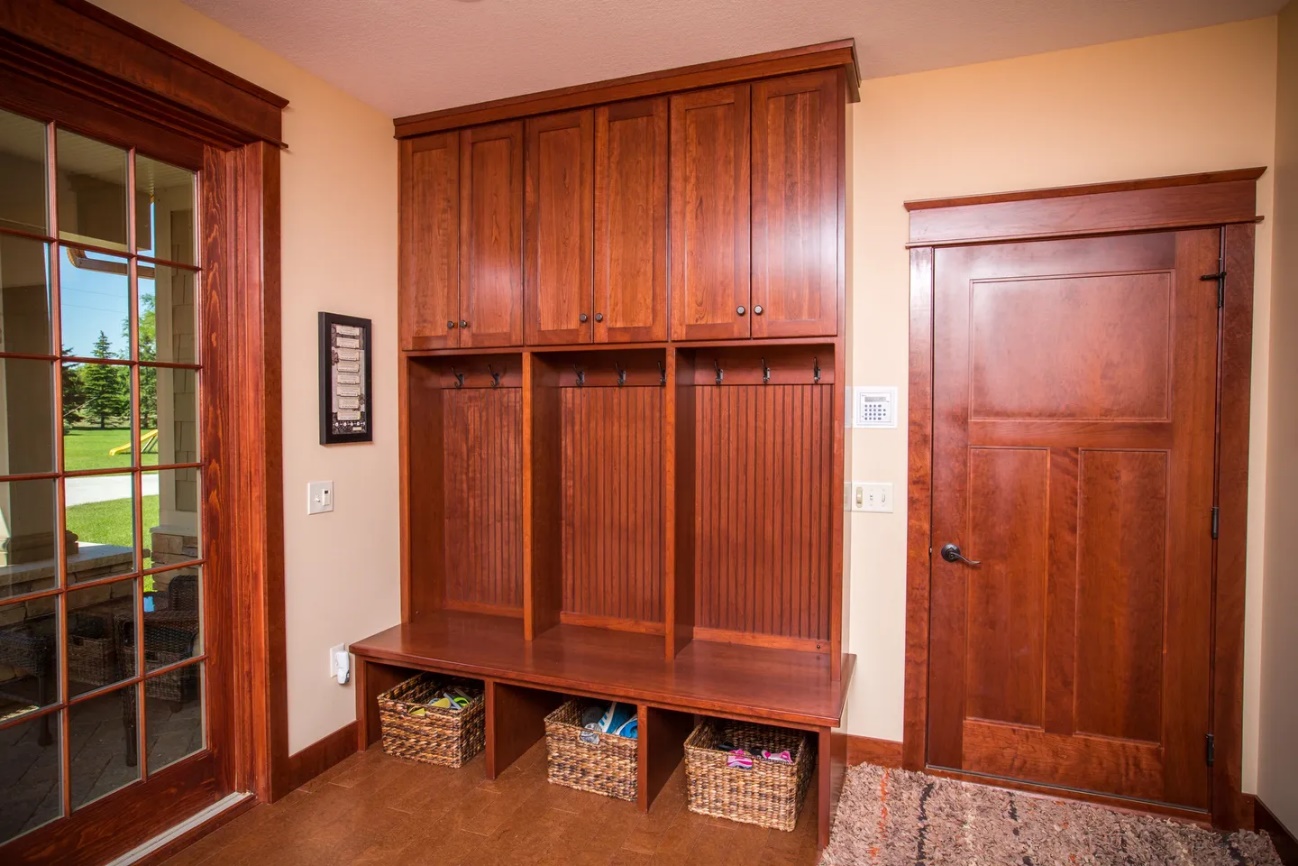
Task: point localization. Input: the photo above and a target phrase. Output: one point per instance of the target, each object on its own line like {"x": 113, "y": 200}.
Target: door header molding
{"x": 1163, "y": 203}
{"x": 1225, "y": 200}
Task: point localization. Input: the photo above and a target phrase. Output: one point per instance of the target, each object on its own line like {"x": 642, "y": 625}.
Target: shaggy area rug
{"x": 892, "y": 817}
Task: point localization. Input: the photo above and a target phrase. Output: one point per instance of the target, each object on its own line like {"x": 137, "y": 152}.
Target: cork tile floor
{"x": 372, "y": 809}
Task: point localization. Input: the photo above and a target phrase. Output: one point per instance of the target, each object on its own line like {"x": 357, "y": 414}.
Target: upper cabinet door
{"x": 797, "y": 205}
{"x": 560, "y": 228}
{"x": 430, "y": 242}
{"x": 491, "y": 235}
{"x": 709, "y": 214}
{"x": 631, "y": 222}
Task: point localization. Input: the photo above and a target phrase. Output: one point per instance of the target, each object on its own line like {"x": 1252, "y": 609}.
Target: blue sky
{"x": 94, "y": 302}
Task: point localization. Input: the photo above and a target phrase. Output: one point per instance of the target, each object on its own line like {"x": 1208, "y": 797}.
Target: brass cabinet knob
{"x": 463, "y": 323}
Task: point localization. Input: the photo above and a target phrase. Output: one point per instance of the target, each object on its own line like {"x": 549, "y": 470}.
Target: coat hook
{"x": 581, "y": 376}
{"x": 662, "y": 374}
{"x": 816, "y": 361}
{"x": 721, "y": 374}
{"x": 459, "y": 378}
{"x": 621, "y": 374}
{"x": 495, "y": 377}
{"x": 766, "y": 373}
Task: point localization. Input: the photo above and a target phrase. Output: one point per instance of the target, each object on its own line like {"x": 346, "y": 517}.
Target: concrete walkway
{"x": 105, "y": 488}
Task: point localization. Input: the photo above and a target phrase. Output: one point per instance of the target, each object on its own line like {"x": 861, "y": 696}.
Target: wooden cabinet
{"x": 631, "y": 222}
{"x": 560, "y": 228}
{"x": 709, "y": 214}
{"x": 430, "y": 242}
{"x": 797, "y": 207}
{"x": 491, "y": 235}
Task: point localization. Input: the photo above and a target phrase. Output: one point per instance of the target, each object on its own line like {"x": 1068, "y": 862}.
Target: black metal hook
{"x": 621, "y": 374}
{"x": 662, "y": 374}
{"x": 581, "y": 376}
{"x": 816, "y": 379}
{"x": 766, "y": 373}
{"x": 721, "y": 374}
{"x": 495, "y": 377}
{"x": 459, "y": 377}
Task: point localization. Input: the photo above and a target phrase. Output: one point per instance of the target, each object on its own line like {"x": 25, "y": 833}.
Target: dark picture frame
{"x": 353, "y": 421}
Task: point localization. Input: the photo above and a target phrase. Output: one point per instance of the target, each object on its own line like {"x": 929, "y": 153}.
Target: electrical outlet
{"x": 877, "y": 496}
{"x": 333, "y": 659}
{"x": 319, "y": 497}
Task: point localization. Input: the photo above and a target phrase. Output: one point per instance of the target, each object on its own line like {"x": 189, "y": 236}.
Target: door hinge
{"x": 1220, "y": 278}
{"x": 1211, "y": 749}
{"x": 1216, "y": 520}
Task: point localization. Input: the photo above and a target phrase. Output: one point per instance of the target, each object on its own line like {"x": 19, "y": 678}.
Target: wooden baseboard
{"x": 305, "y": 765}
{"x": 868, "y": 750}
{"x": 1285, "y": 843}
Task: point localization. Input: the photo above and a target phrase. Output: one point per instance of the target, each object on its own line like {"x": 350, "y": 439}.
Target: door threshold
{"x": 151, "y": 846}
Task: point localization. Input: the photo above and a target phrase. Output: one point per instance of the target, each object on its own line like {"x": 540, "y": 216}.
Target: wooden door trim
{"x": 73, "y": 63}
{"x": 1220, "y": 199}
{"x": 825, "y": 55}
{"x": 1181, "y": 201}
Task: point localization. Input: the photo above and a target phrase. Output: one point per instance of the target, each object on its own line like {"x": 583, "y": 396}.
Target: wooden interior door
{"x": 710, "y": 238}
{"x": 797, "y": 147}
{"x": 631, "y": 221}
{"x": 430, "y": 242}
{"x": 491, "y": 235}
{"x": 560, "y": 228}
{"x": 1074, "y": 410}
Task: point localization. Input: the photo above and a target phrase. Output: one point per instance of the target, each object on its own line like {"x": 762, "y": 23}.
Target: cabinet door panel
{"x": 797, "y": 144}
{"x": 631, "y": 222}
{"x": 491, "y": 235}
{"x": 560, "y": 228}
{"x": 709, "y": 208}
{"x": 430, "y": 242}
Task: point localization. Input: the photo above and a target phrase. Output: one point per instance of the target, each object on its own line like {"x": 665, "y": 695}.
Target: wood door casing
{"x": 710, "y": 198}
{"x": 491, "y": 235}
{"x": 430, "y": 242}
{"x": 631, "y": 222}
{"x": 797, "y": 142}
{"x": 559, "y": 229}
{"x": 1074, "y": 411}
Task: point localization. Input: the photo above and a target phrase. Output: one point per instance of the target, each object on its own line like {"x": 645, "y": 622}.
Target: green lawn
{"x": 110, "y": 522}
{"x": 87, "y": 448}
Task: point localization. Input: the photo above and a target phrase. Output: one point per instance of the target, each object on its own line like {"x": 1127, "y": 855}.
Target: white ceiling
{"x": 411, "y": 56}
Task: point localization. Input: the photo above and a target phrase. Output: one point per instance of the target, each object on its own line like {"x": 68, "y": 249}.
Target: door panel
{"x": 491, "y": 235}
{"x": 560, "y": 226}
{"x": 1074, "y": 401}
{"x": 631, "y": 222}
{"x": 796, "y": 234}
{"x": 430, "y": 242}
{"x": 709, "y": 206}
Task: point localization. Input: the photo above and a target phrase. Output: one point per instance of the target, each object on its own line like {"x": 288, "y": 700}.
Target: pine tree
{"x": 74, "y": 392}
{"x": 108, "y": 390}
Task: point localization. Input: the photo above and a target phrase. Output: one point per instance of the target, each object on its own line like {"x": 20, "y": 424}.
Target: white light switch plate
{"x": 876, "y": 496}
{"x": 333, "y": 659}
{"x": 319, "y": 497}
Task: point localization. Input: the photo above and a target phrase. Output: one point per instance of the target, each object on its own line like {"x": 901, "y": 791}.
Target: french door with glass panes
{"x": 103, "y": 680}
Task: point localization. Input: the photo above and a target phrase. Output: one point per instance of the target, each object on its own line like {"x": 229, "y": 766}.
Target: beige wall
{"x": 1186, "y": 102}
{"x": 1277, "y": 779}
{"x": 339, "y": 255}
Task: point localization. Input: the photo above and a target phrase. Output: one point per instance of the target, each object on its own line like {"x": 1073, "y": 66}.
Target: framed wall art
{"x": 345, "y": 359}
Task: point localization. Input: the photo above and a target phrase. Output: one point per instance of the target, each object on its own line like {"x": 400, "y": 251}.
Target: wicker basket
{"x": 434, "y": 735}
{"x": 588, "y": 760}
{"x": 769, "y": 795}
